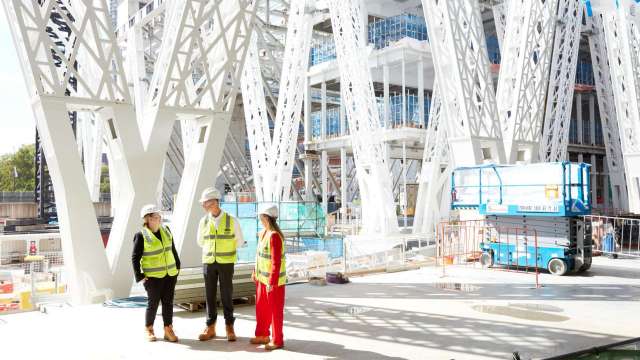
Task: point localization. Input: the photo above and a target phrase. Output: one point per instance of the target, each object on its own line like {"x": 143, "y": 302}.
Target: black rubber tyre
{"x": 557, "y": 267}
{"x": 486, "y": 259}
{"x": 586, "y": 266}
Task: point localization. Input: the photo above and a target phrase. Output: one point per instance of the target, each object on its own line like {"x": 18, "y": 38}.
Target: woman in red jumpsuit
{"x": 270, "y": 278}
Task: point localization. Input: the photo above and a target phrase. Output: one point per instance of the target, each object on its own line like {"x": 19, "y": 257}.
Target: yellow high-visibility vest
{"x": 263, "y": 260}
{"x": 157, "y": 258}
{"x": 219, "y": 243}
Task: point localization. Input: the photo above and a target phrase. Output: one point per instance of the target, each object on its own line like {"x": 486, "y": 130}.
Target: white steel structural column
{"x": 138, "y": 147}
{"x": 622, "y": 33}
{"x": 256, "y": 117}
{"x": 52, "y": 97}
{"x": 378, "y": 208}
{"x": 524, "y": 76}
{"x": 433, "y": 180}
{"x": 607, "y": 110}
{"x": 220, "y": 32}
{"x": 90, "y": 130}
{"x": 500, "y": 19}
{"x": 274, "y": 159}
{"x": 468, "y": 99}
{"x": 557, "y": 120}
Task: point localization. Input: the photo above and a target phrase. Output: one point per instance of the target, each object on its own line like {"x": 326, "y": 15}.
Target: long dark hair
{"x": 273, "y": 226}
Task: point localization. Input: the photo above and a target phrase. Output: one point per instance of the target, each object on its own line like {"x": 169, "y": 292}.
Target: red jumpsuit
{"x": 270, "y": 305}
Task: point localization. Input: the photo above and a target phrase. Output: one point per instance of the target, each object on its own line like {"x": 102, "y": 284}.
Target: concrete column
{"x": 343, "y": 119}
{"x": 324, "y": 181}
{"x": 404, "y": 93}
{"x": 592, "y": 118}
{"x": 308, "y": 182}
{"x": 126, "y": 9}
{"x": 421, "y": 108}
{"x": 578, "y": 100}
{"x": 323, "y": 110}
{"x": 343, "y": 180}
{"x": 404, "y": 181}
{"x": 307, "y": 110}
{"x": 387, "y": 106}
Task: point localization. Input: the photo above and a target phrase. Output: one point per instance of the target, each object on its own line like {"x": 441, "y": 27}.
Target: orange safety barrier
{"x": 477, "y": 244}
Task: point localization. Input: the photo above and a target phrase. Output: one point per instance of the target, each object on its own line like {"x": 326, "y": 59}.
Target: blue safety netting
{"x": 296, "y": 218}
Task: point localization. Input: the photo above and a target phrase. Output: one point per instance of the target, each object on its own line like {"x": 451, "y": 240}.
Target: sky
{"x": 17, "y": 124}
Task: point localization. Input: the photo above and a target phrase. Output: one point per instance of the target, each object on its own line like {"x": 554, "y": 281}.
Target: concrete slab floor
{"x": 468, "y": 314}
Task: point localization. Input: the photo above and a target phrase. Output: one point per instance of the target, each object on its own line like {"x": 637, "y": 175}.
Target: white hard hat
{"x": 270, "y": 209}
{"x": 149, "y": 209}
{"x": 210, "y": 193}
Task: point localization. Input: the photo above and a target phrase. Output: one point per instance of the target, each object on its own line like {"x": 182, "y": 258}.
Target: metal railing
{"x": 479, "y": 245}
{"x": 615, "y": 236}
{"x": 17, "y": 197}
{"x": 409, "y": 252}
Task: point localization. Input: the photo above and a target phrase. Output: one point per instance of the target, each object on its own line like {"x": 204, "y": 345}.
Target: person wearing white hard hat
{"x": 270, "y": 276}
{"x": 219, "y": 236}
{"x": 156, "y": 263}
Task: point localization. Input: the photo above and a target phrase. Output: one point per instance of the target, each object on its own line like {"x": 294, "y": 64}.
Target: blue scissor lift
{"x": 532, "y": 213}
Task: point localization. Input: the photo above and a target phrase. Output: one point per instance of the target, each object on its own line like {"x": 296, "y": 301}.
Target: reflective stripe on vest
{"x": 219, "y": 245}
{"x": 263, "y": 260}
{"x": 157, "y": 257}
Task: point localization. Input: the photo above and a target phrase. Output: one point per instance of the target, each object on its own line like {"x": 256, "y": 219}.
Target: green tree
{"x": 22, "y": 164}
{"x": 104, "y": 179}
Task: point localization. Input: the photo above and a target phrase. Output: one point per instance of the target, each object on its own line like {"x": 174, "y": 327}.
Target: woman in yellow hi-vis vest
{"x": 156, "y": 262}
{"x": 270, "y": 277}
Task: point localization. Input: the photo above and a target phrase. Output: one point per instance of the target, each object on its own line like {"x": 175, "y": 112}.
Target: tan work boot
{"x": 260, "y": 340}
{"x": 169, "y": 335}
{"x": 271, "y": 346}
{"x": 208, "y": 333}
{"x": 231, "y": 335}
{"x": 149, "y": 332}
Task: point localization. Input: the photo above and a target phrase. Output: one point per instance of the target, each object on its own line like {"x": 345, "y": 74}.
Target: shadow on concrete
{"x": 489, "y": 338}
{"x": 332, "y": 351}
{"x": 221, "y": 344}
{"x": 310, "y": 347}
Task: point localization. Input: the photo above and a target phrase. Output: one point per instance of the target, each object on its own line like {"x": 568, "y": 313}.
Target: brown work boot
{"x": 271, "y": 346}
{"x": 231, "y": 335}
{"x": 208, "y": 333}
{"x": 260, "y": 340}
{"x": 149, "y": 332}
{"x": 169, "y": 335}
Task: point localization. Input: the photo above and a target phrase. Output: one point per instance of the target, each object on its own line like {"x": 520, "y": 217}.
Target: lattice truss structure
{"x": 273, "y": 159}
{"x": 608, "y": 116}
{"x": 468, "y": 100}
{"x": 557, "y": 120}
{"x": 196, "y": 75}
{"x": 356, "y": 87}
{"x": 622, "y": 36}
{"x": 524, "y": 75}
{"x": 431, "y": 203}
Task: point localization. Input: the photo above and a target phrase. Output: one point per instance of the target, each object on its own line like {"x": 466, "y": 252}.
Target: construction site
{"x": 452, "y": 179}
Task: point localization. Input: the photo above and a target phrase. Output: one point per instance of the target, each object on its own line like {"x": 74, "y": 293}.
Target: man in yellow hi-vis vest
{"x": 219, "y": 235}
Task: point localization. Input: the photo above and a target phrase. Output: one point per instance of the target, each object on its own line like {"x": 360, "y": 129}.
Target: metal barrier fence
{"x": 615, "y": 236}
{"x": 31, "y": 280}
{"x": 409, "y": 252}
{"x": 17, "y": 197}
{"x": 479, "y": 245}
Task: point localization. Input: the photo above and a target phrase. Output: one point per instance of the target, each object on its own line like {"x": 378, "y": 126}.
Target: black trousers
{"x": 224, "y": 272}
{"x": 160, "y": 290}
